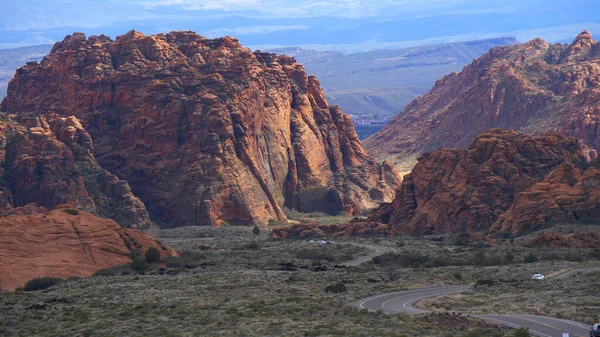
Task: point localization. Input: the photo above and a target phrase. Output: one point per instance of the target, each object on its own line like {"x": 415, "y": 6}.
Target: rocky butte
{"x": 532, "y": 88}
{"x": 504, "y": 182}
{"x": 204, "y": 130}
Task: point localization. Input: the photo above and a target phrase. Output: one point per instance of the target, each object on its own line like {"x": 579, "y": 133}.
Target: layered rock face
{"x": 453, "y": 190}
{"x": 205, "y": 130}
{"x": 531, "y": 88}
{"x": 63, "y": 243}
{"x": 49, "y": 160}
{"x": 589, "y": 239}
{"x": 567, "y": 194}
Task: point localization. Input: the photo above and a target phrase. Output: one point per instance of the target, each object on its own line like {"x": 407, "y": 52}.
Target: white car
{"x": 537, "y": 277}
{"x": 311, "y": 241}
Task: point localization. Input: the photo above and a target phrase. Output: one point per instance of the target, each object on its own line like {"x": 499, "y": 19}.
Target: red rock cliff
{"x": 453, "y": 190}
{"x": 205, "y": 130}
{"x": 49, "y": 160}
{"x": 532, "y": 88}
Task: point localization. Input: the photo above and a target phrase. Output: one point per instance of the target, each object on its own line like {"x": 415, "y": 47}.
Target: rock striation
{"x": 205, "y": 130}
{"x": 49, "y": 160}
{"x": 491, "y": 186}
{"x": 64, "y": 243}
{"x": 532, "y": 88}
{"x": 567, "y": 194}
{"x": 589, "y": 239}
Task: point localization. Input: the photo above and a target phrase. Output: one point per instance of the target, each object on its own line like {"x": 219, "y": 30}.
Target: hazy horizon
{"x": 339, "y": 25}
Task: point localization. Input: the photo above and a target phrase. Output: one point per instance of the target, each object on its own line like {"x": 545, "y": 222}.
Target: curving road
{"x": 544, "y": 326}
{"x": 377, "y": 250}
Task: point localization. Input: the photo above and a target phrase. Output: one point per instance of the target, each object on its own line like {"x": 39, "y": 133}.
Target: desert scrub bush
{"x": 413, "y": 260}
{"x": 483, "y": 333}
{"x": 105, "y": 272}
{"x": 41, "y": 283}
{"x": 336, "y": 288}
{"x": 522, "y": 332}
{"x": 248, "y": 246}
{"x": 530, "y": 258}
{"x": 139, "y": 264}
{"x": 71, "y": 211}
{"x": 152, "y": 255}
{"x": 314, "y": 254}
{"x": 256, "y": 229}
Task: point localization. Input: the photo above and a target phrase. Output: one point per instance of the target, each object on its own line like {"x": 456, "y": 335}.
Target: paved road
{"x": 377, "y": 250}
{"x": 544, "y": 326}
{"x": 576, "y": 271}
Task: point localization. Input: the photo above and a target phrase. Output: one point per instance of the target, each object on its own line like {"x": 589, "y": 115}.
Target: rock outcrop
{"x": 49, "y": 160}
{"x": 532, "y": 88}
{"x": 589, "y": 239}
{"x": 205, "y": 130}
{"x": 567, "y": 194}
{"x": 453, "y": 190}
{"x": 64, "y": 243}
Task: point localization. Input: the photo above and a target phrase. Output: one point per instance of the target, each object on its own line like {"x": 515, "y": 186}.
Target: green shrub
{"x": 152, "y": 255}
{"x": 314, "y": 254}
{"x": 522, "y": 332}
{"x": 336, "y": 288}
{"x": 256, "y": 230}
{"x": 530, "y": 258}
{"x": 483, "y": 333}
{"x": 41, "y": 283}
{"x": 509, "y": 258}
{"x": 105, "y": 272}
{"x": 139, "y": 264}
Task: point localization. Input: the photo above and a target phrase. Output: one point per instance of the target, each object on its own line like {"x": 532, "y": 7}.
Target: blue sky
{"x": 347, "y": 25}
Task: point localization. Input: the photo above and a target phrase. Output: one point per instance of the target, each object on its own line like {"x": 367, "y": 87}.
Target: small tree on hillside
{"x": 256, "y": 230}
{"x": 152, "y": 255}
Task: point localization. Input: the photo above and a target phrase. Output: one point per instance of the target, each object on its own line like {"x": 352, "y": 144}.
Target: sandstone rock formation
{"x": 531, "y": 88}
{"x": 49, "y": 160}
{"x": 453, "y": 190}
{"x": 353, "y": 228}
{"x": 64, "y": 243}
{"x": 205, "y": 130}
{"x": 589, "y": 239}
{"x": 567, "y": 194}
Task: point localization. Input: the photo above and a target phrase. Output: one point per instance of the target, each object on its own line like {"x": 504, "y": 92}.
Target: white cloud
{"x": 251, "y": 30}
{"x": 550, "y": 34}
{"x": 33, "y": 41}
{"x": 296, "y": 8}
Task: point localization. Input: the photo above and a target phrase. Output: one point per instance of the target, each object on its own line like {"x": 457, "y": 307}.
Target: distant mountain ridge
{"x": 392, "y": 78}
{"x": 374, "y": 86}
{"x": 12, "y": 59}
{"x": 532, "y": 88}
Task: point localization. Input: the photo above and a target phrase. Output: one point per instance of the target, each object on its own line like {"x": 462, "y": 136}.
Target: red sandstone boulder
{"x": 64, "y": 243}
